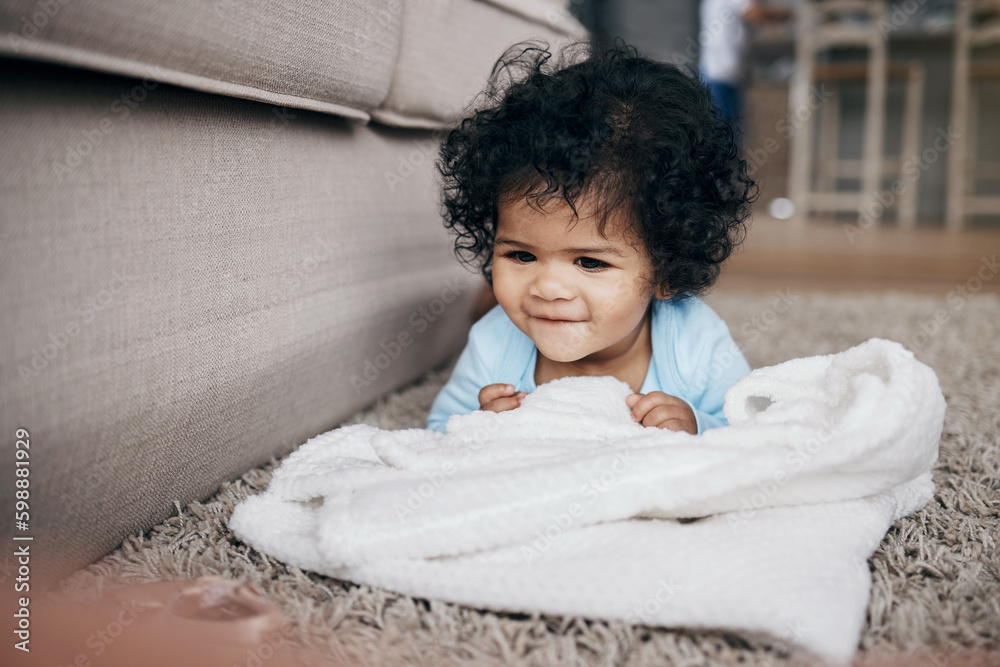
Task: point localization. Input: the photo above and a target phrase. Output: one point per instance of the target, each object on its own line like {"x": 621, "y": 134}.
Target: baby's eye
{"x": 591, "y": 264}
{"x": 520, "y": 256}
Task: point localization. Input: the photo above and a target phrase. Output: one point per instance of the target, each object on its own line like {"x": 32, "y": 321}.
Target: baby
{"x": 598, "y": 199}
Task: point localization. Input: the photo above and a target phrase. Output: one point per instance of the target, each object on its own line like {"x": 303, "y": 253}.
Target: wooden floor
{"x": 837, "y": 255}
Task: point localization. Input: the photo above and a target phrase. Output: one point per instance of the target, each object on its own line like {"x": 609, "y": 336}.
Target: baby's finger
{"x": 661, "y": 416}
{"x": 492, "y": 392}
{"x": 503, "y": 404}
{"x": 646, "y": 403}
{"x": 675, "y": 416}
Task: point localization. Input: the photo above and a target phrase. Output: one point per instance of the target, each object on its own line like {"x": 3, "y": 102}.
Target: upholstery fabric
{"x": 551, "y": 13}
{"x": 408, "y": 63}
{"x": 334, "y": 57}
{"x": 192, "y": 284}
{"x": 449, "y": 47}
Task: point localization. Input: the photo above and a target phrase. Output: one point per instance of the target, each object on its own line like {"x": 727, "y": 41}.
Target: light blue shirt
{"x": 694, "y": 358}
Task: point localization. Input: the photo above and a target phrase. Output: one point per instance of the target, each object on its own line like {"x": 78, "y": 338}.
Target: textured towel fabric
{"x": 567, "y": 506}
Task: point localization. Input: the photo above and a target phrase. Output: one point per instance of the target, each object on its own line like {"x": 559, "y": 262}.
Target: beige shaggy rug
{"x": 935, "y": 597}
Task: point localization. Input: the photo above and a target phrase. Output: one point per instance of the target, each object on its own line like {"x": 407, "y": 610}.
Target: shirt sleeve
{"x": 460, "y": 395}
{"x": 717, "y": 364}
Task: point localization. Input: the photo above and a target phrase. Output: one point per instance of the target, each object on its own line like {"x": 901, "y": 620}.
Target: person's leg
{"x": 729, "y": 100}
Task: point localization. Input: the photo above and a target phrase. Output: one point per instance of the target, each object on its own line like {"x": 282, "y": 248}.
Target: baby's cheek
{"x": 502, "y": 287}
{"x": 626, "y": 299}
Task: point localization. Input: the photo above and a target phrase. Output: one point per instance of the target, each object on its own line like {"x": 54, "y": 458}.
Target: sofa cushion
{"x": 334, "y": 57}
{"x": 448, "y": 49}
{"x": 410, "y": 63}
{"x": 192, "y": 284}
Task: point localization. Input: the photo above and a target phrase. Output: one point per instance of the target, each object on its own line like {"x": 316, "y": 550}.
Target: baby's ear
{"x": 663, "y": 292}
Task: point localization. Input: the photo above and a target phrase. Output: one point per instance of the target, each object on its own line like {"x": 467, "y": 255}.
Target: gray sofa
{"x": 219, "y": 236}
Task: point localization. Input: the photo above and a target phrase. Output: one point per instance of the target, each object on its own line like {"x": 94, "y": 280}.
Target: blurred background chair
{"x": 822, "y": 26}
{"x": 977, "y": 27}
{"x": 831, "y": 166}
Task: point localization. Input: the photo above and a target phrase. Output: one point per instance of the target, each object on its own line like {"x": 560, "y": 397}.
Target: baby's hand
{"x": 499, "y": 397}
{"x": 662, "y": 411}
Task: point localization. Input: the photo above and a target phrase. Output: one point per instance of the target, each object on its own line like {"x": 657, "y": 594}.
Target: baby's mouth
{"x": 554, "y": 317}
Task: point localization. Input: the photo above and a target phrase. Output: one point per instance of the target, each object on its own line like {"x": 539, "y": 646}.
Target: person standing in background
{"x": 663, "y": 31}
{"x": 724, "y": 54}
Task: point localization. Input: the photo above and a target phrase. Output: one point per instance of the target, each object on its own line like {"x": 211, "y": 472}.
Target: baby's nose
{"x": 550, "y": 285}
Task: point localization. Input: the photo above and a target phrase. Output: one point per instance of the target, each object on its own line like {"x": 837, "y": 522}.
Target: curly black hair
{"x": 634, "y": 136}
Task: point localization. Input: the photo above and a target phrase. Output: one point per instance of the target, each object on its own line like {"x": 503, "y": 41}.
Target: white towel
{"x": 567, "y": 506}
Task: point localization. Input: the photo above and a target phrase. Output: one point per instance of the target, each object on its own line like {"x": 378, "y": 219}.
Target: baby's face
{"x": 576, "y": 294}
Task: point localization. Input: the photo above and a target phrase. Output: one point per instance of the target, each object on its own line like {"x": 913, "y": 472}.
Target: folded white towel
{"x": 567, "y": 506}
